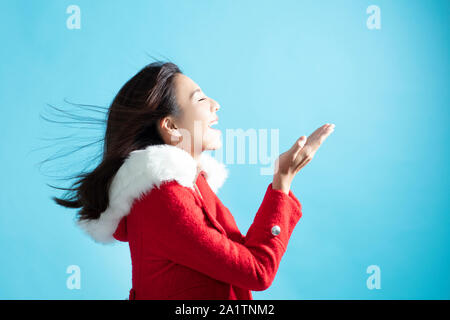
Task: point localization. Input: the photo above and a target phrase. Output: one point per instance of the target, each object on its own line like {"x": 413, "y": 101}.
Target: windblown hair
{"x": 132, "y": 120}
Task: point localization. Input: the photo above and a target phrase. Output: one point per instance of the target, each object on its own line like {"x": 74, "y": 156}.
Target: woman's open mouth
{"x": 213, "y": 123}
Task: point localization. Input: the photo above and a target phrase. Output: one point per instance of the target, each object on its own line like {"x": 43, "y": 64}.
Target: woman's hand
{"x": 301, "y": 153}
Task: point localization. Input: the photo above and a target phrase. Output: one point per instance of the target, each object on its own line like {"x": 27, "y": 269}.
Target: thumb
{"x": 298, "y": 145}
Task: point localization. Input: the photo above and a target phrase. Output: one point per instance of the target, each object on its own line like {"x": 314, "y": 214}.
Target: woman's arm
{"x": 174, "y": 226}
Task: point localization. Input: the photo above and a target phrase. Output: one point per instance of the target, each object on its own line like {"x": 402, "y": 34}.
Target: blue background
{"x": 376, "y": 193}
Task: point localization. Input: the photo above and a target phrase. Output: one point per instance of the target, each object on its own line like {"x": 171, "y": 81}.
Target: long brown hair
{"x": 131, "y": 124}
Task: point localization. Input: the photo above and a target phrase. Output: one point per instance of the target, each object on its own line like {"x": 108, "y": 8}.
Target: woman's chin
{"x": 214, "y": 139}
{"x": 214, "y": 145}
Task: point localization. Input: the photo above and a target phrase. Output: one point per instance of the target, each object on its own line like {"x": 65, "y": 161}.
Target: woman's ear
{"x": 169, "y": 130}
{"x": 169, "y": 125}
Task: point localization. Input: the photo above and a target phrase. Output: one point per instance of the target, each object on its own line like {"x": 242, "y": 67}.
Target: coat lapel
{"x": 217, "y": 213}
{"x": 208, "y": 202}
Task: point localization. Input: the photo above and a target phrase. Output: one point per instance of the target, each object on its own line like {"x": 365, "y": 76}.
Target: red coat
{"x": 187, "y": 246}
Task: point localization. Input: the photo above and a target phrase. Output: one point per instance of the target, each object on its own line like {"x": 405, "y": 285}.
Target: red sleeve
{"x": 179, "y": 231}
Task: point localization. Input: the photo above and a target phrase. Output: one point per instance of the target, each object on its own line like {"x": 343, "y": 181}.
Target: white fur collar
{"x": 140, "y": 172}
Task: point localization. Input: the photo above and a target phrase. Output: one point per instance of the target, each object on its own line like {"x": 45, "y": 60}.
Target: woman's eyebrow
{"x": 193, "y": 92}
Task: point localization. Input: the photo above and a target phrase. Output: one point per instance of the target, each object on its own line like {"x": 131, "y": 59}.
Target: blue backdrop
{"x": 376, "y": 193}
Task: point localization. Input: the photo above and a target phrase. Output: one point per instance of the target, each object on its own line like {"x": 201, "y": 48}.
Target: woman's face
{"x": 198, "y": 114}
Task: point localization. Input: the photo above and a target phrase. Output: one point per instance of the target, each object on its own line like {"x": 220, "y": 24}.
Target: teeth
{"x": 213, "y": 123}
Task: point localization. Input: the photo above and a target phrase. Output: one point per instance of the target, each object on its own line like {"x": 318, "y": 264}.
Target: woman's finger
{"x": 318, "y": 136}
{"x": 328, "y": 130}
{"x": 298, "y": 145}
{"x": 313, "y": 143}
{"x": 313, "y": 136}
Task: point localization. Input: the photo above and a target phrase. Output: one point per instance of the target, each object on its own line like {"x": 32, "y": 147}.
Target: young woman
{"x": 156, "y": 189}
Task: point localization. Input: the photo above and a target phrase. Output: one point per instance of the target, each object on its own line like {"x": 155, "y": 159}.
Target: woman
{"x": 156, "y": 189}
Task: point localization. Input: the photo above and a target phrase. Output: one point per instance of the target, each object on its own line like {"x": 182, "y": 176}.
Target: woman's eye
{"x": 202, "y": 99}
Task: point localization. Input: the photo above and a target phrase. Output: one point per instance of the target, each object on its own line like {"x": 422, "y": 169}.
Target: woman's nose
{"x": 215, "y": 105}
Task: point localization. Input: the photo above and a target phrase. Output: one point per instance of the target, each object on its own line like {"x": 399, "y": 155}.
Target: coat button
{"x": 276, "y": 230}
